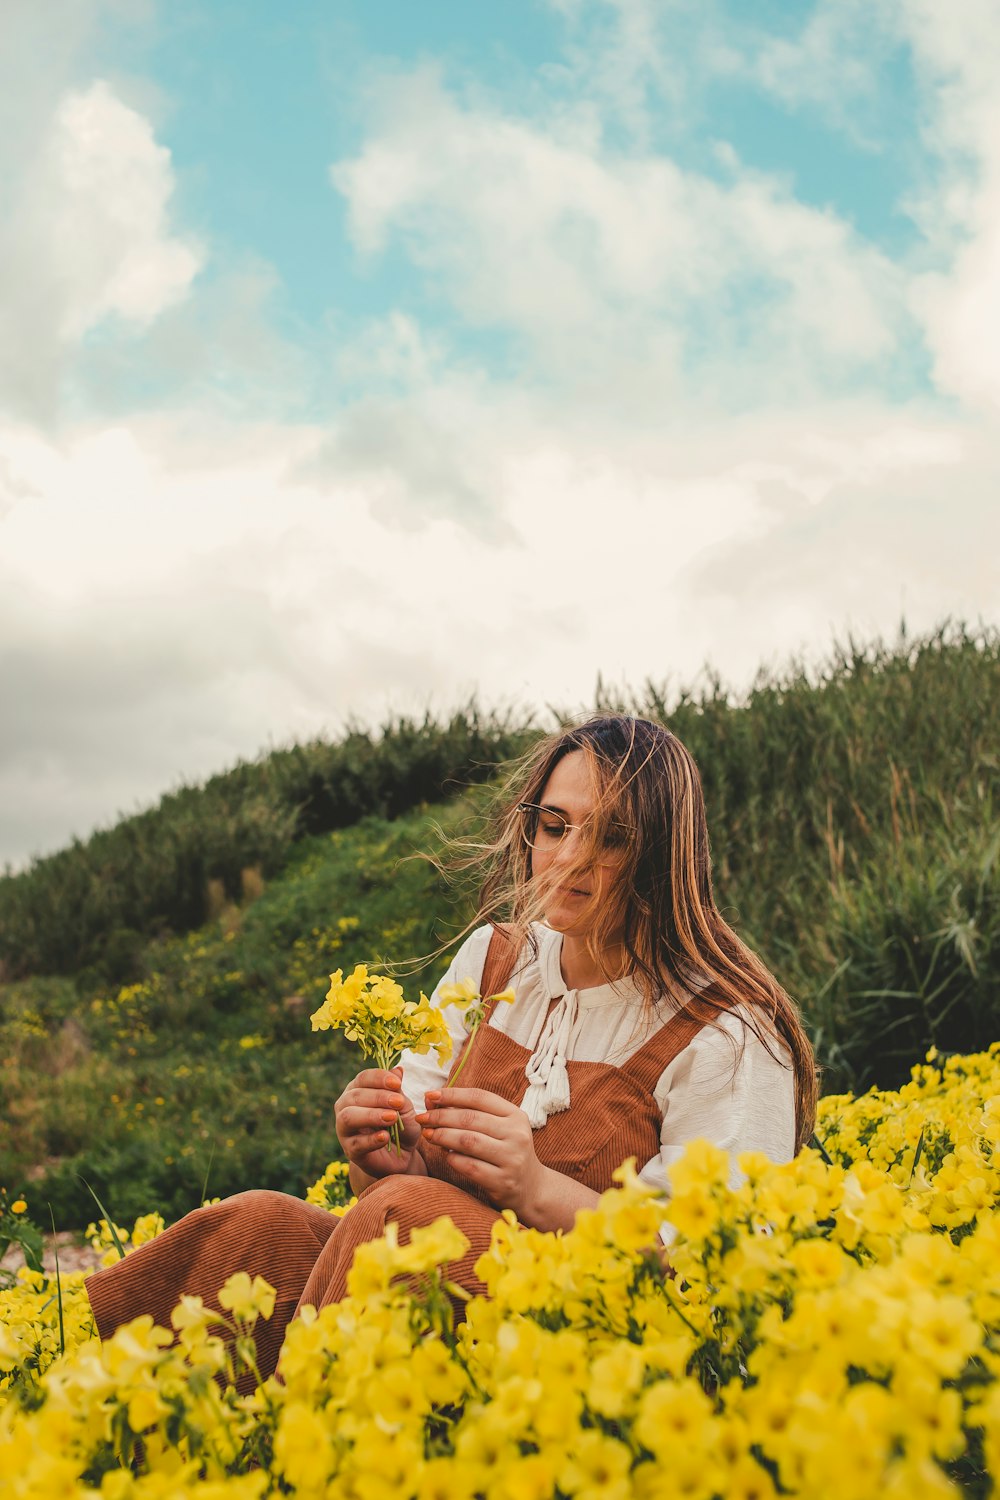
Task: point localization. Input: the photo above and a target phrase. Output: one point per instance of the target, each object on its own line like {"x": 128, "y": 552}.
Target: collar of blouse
{"x": 548, "y": 1090}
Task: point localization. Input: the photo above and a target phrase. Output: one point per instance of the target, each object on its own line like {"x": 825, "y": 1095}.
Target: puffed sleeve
{"x": 422, "y": 1071}
{"x": 749, "y": 1107}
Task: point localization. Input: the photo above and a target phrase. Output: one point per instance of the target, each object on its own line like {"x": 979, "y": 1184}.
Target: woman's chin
{"x": 565, "y": 920}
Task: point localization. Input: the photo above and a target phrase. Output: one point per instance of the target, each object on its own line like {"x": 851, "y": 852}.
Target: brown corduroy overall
{"x": 306, "y": 1253}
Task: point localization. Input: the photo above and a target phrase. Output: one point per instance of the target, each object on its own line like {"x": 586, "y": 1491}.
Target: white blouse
{"x": 747, "y": 1108}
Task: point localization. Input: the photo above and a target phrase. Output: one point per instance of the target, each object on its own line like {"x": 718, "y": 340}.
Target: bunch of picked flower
{"x": 370, "y": 1010}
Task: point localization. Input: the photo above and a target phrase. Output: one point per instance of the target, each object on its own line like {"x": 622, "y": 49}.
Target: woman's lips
{"x": 567, "y": 890}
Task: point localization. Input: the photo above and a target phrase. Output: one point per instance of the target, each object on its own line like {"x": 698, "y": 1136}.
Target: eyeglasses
{"x": 543, "y": 828}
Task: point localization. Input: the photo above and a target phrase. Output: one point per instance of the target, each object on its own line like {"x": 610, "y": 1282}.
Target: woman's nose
{"x": 569, "y": 848}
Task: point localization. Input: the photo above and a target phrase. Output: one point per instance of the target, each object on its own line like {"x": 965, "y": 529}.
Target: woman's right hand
{"x": 365, "y": 1113}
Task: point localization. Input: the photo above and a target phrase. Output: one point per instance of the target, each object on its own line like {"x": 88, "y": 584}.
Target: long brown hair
{"x": 660, "y": 910}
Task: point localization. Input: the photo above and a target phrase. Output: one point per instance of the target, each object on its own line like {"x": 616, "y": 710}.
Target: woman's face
{"x": 573, "y": 892}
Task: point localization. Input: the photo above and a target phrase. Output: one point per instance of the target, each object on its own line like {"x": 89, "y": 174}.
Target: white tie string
{"x": 548, "y": 1081}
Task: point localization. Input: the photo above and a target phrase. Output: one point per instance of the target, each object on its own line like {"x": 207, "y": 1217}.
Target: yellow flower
{"x": 145, "y": 1408}
{"x": 18, "y": 1206}
{"x": 303, "y": 1450}
{"x": 672, "y": 1415}
{"x": 819, "y": 1263}
{"x": 451, "y": 1479}
{"x": 694, "y": 1214}
{"x": 597, "y": 1467}
{"x": 702, "y": 1167}
{"x": 245, "y": 1298}
{"x": 462, "y": 993}
{"x": 943, "y": 1332}
{"x": 386, "y": 999}
{"x": 432, "y": 1245}
{"x": 371, "y": 1010}
{"x": 747, "y": 1480}
{"x": 615, "y": 1376}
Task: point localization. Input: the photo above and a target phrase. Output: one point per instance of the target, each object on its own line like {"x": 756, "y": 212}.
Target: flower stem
{"x": 388, "y": 1059}
{"x": 473, "y": 1020}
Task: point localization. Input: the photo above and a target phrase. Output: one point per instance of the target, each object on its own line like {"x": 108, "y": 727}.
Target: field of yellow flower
{"x": 829, "y": 1329}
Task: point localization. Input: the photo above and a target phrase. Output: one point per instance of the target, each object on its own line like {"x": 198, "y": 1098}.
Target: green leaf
{"x": 106, "y": 1217}
{"x": 30, "y": 1240}
{"x": 55, "y": 1252}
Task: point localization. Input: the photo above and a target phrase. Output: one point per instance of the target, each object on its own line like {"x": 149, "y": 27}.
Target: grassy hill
{"x": 158, "y": 978}
{"x": 204, "y": 1070}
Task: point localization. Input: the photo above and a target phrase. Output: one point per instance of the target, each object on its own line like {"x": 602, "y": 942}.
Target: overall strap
{"x": 646, "y": 1065}
{"x": 501, "y": 958}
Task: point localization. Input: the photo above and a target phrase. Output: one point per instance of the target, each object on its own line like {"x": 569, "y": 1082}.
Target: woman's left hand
{"x": 489, "y": 1141}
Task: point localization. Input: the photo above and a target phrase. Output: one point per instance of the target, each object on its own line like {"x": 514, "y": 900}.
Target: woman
{"x": 640, "y": 1023}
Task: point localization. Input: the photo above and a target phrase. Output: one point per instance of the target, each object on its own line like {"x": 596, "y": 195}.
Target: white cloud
{"x": 604, "y": 264}
{"x": 220, "y": 347}
{"x": 916, "y": 545}
{"x": 39, "y": 60}
{"x": 87, "y": 239}
{"x": 624, "y": 56}
{"x": 961, "y": 309}
{"x": 834, "y": 62}
{"x": 179, "y": 592}
{"x": 955, "y": 50}
{"x": 438, "y": 450}
{"x": 393, "y": 353}
{"x": 111, "y": 184}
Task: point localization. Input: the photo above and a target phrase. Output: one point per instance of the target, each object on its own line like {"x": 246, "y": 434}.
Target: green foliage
{"x": 917, "y": 941}
{"x": 17, "y": 1229}
{"x": 852, "y": 816}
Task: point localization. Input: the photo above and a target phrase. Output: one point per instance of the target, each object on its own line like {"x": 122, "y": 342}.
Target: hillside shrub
{"x": 914, "y": 943}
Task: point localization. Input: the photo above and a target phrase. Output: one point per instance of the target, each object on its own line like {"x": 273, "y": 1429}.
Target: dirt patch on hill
{"x": 73, "y": 1255}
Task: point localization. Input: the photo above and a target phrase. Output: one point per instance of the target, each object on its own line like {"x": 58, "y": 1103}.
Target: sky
{"x": 357, "y": 356}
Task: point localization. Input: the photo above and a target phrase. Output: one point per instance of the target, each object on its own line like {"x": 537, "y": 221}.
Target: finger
{"x": 372, "y": 1098}
{"x": 480, "y": 1099}
{"x": 480, "y": 1172}
{"x": 355, "y": 1121}
{"x": 364, "y": 1145}
{"x": 441, "y": 1117}
{"x": 378, "y": 1078}
{"x": 483, "y": 1148}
